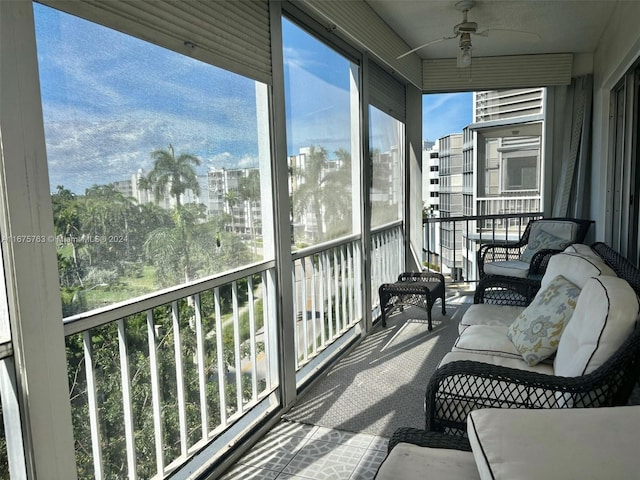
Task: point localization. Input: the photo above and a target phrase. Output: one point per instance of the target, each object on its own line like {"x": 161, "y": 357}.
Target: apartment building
{"x": 493, "y": 167}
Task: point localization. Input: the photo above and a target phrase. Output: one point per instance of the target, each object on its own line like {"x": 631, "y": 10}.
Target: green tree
{"x": 339, "y": 209}
{"x": 67, "y": 222}
{"x": 308, "y": 193}
{"x": 175, "y": 174}
{"x": 232, "y": 199}
{"x": 249, "y": 191}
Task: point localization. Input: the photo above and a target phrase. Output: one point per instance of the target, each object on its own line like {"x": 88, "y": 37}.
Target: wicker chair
{"x": 459, "y": 387}
{"x": 506, "y": 259}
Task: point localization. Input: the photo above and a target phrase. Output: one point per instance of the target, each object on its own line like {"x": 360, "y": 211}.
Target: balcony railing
{"x": 387, "y": 259}
{"x": 327, "y": 286}
{"x": 451, "y": 243}
{"x": 153, "y": 381}
{"x": 156, "y": 379}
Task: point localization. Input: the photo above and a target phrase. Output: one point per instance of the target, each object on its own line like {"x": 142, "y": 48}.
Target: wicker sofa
{"x": 491, "y": 415}
{"x": 597, "y": 362}
{"x": 523, "y": 445}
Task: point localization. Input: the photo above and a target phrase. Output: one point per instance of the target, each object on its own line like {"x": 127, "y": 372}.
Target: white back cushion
{"x": 582, "y": 250}
{"x": 578, "y": 269}
{"x": 605, "y": 315}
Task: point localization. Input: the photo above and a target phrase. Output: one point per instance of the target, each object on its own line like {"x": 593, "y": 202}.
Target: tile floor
{"x": 298, "y": 451}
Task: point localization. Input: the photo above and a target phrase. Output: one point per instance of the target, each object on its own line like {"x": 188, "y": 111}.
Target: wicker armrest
{"x": 540, "y": 261}
{"x": 424, "y": 438}
{"x": 500, "y": 290}
{"x": 459, "y": 387}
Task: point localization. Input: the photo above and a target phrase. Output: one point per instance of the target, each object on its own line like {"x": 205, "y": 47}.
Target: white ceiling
{"x": 563, "y": 26}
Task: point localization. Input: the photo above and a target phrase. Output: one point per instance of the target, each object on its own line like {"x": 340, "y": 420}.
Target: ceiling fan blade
{"x": 485, "y": 33}
{"x": 425, "y": 45}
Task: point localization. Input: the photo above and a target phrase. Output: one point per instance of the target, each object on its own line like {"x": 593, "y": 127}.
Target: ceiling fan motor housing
{"x": 465, "y": 27}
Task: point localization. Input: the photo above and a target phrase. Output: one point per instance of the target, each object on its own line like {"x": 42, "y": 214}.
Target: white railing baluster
{"x": 359, "y": 284}
{"x": 330, "y": 301}
{"x": 155, "y": 393}
{"x": 343, "y": 277}
{"x": 252, "y": 340}
{"x": 336, "y": 286}
{"x": 296, "y": 333}
{"x": 177, "y": 348}
{"x": 303, "y": 305}
{"x": 314, "y": 327}
{"x": 125, "y": 378}
{"x": 352, "y": 310}
{"x": 200, "y": 358}
{"x": 221, "y": 364}
{"x": 236, "y": 345}
{"x": 92, "y": 400}
{"x": 321, "y": 273}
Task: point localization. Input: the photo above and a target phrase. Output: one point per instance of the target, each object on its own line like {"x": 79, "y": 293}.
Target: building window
{"x": 520, "y": 172}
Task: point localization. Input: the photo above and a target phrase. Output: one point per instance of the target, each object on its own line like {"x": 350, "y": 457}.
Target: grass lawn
{"x": 130, "y": 287}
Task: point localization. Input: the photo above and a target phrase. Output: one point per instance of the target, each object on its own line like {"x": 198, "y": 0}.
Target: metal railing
{"x": 153, "y": 380}
{"x": 156, "y": 379}
{"x": 327, "y": 286}
{"x": 387, "y": 258}
{"x": 451, "y": 243}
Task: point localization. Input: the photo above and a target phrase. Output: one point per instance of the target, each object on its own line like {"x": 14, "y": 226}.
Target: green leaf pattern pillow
{"x": 542, "y": 241}
{"x": 536, "y": 331}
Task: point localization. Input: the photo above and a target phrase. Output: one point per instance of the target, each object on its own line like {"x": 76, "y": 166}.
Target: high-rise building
{"x": 493, "y": 167}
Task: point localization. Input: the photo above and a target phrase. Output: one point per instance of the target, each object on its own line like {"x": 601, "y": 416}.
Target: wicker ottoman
{"x": 412, "y": 288}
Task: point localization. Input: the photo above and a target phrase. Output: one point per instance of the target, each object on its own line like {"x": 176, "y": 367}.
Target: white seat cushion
{"x": 408, "y": 461}
{"x": 555, "y": 444}
{"x": 488, "y": 314}
{"x": 576, "y": 268}
{"x": 486, "y": 340}
{"x": 509, "y": 268}
{"x": 604, "y": 317}
{"x": 509, "y": 362}
{"x": 460, "y": 399}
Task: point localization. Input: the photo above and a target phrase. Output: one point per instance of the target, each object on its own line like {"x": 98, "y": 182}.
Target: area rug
{"x": 380, "y": 385}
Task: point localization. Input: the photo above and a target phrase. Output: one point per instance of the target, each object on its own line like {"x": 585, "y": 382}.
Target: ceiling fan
{"x": 464, "y": 30}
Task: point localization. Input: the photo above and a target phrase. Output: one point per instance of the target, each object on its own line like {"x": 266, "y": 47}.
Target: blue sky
{"x": 445, "y": 113}
{"x": 109, "y": 100}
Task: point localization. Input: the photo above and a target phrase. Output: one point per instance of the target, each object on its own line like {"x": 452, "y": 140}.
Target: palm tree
{"x": 231, "y": 198}
{"x": 249, "y": 190}
{"x": 308, "y": 191}
{"x": 175, "y": 173}
{"x": 67, "y": 224}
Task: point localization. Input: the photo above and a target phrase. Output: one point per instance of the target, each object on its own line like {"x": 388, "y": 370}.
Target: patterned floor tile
{"x": 293, "y": 429}
{"x": 368, "y": 466}
{"x": 379, "y": 443}
{"x": 362, "y": 440}
{"x": 273, "y": 452}
{"x": 324, "y": 460}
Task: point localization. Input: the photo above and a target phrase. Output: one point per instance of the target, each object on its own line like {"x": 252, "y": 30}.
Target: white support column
{"x": 31, "y": 268}
{"x": 284, "y": 262}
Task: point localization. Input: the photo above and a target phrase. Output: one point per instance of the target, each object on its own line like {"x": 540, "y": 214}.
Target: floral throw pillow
{"x": 542, "y": 241}
{"x": 536, "y": 331}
